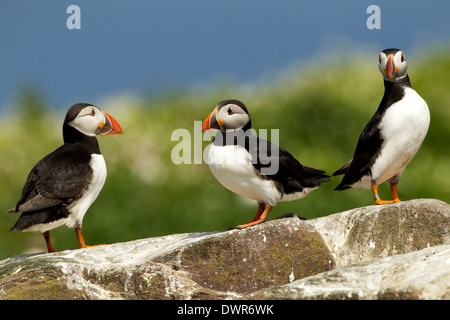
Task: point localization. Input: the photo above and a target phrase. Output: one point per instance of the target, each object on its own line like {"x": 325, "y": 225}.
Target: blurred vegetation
{"x": 320, "y": 111}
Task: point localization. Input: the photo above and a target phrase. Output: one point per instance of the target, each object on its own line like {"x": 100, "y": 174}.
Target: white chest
{"x": 404, "y": 127}
{"x": 78, "y": 210}
{"x": 406, "y": 120}
{"x": 232, "y": 167}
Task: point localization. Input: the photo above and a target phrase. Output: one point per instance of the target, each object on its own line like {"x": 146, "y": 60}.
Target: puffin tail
{"x": 315, "y": 177}
{"x": 343, "y": 169}
{"x": 342, "y": 186}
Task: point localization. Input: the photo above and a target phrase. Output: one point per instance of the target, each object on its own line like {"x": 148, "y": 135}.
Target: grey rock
{"x": 367, "y": 233}
{"x": 422, "y": 274}
{"x": 221, "y": 265}
{"x": 398, "y": 251}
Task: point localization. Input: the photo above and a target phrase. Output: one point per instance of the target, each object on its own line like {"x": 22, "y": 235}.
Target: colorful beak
{"x": 390, "y": 68}
{"x": 211, "y": 123}
{"x": 111, "y": 126}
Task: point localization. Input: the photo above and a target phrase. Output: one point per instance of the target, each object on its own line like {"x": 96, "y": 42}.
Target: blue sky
{"x": 145, "y": 46}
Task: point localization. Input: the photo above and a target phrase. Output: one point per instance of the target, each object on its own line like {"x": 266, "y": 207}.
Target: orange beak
{"x": 390, "y": 67}
{"x": 207, "y": 123}
{"x": 211, "y": 123}
{"x": 111, "y": 126}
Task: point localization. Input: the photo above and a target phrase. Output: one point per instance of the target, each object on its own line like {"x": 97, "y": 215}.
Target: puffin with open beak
{"x": 253, "y": 167}
{"x": 393, "y": 135}
{"x": 63, "y": 185}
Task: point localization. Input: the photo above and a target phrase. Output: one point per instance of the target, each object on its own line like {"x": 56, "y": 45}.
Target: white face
{"x": 233, "y": 116}
{"x": 392, "y": 66}
{"x": 90, "y": 121}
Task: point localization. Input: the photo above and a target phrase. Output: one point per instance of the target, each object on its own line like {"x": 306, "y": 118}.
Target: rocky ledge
{"x": 398, "y": 251}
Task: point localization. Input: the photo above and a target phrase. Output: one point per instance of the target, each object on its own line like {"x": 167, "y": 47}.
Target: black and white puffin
{"x": 253, "y": 167}
{"x": 392, "y": 136}
{"x": 63, "y": 185}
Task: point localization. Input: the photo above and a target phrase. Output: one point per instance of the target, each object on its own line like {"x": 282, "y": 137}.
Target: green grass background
{"x": 319, "y": 108}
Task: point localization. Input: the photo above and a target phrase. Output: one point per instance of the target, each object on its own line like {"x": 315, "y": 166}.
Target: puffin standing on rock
{"x": 394, "y": 134}
{"x": 63, "y": 185}
{"x": 253, "y": 167}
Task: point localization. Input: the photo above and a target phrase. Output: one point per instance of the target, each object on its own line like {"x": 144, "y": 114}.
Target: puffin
{"x": 392, "y": 136}
{"x": 253, "y": 167}
{"x": 62, "y": 186}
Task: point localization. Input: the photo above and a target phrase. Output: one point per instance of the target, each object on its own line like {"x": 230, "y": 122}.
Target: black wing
{"x": 291, "y": 174}
{"x": 58, "y": 178}
{"x": 366, "y": 152}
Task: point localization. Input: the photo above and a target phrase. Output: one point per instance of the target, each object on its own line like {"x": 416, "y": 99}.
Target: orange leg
{"x": 49, "y": 244}
{"x": 260, "y": 211}
{"x": 394, "y": 193}
{"x": 81, "y": 243}
{"x": 377, "y": 197}
{"x": 261, "y": 216}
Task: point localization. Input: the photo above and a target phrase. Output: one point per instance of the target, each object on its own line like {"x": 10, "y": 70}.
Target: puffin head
{"x": 392, "y": 64}
{"x": 228, "y": 115}
{"x": 91, "y": 121}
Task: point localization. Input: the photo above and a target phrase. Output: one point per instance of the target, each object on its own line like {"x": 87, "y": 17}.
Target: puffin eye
{"x": 403, "y": 58}
{"x": 92, "y": 112}
{"x": 230, "y": 112}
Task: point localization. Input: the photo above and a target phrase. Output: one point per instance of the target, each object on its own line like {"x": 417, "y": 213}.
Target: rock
{"x": 423, "y": 274}
{"x": 398, "y": 251}
{"x": 184, "y": 266}
{"x": 367, "y": 233}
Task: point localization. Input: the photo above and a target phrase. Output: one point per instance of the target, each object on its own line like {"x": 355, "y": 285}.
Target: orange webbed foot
{"x": 260, "y": 217}
{"x": 81, "y": 243}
